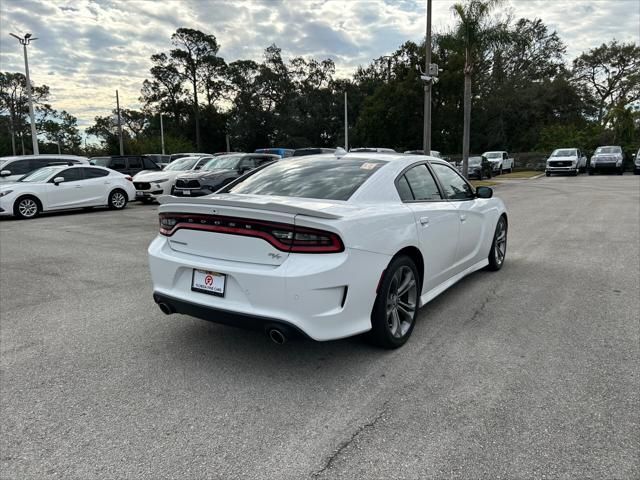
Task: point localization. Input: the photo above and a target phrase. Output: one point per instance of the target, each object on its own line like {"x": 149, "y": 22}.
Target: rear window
{"x": 327, "y": 179}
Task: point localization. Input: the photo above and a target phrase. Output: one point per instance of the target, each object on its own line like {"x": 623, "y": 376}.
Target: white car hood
{"x": 153, "y": 176}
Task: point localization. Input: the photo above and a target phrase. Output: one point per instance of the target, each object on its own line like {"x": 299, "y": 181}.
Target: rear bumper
{"x": 225, "y": 317}
{"x": 325, "y": 297}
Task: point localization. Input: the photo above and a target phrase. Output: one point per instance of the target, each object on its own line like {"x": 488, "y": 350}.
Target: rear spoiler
{"x": 266, "y": 205}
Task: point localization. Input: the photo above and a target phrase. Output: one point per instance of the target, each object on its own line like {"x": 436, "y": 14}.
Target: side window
{"x": 118, "y": 164}
{"x": 455, "y": 187}
{"x": 135, "y": 162}
{"x": 36, "y": 163}
{"x": 249, "y": 163}
{"x": 94, "y": 172}
{"x": 200, "y": 163}
{"x": 404, "y": 190}
{"x": 264, "y": 160}
{"x": 19, "y": 167}
{"x": 422, "y": 183}
{"x": 150, "y": 164}
{"x": 71, "y": 174}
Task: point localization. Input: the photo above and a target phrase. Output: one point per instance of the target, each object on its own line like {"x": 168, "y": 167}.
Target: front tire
{"x": 498, "y": 250}
{"x": 117, "y": 199}
{"x": 27, "y": 207}
{"x": 396, "y": 306}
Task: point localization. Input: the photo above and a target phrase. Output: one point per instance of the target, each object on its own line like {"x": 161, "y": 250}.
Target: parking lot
{"x": 530, "y": 372}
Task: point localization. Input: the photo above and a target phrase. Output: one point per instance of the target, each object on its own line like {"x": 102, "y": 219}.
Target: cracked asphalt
{"x": 530, "y": 372}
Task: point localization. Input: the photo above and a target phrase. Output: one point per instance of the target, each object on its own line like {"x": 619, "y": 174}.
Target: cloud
{"x": 89, "y": 48}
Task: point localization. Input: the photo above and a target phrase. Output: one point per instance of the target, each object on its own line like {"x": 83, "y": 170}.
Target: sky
{"x": 86, "y": 49}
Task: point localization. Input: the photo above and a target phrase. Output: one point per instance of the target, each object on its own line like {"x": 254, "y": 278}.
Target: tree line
{"x": 522, "y": 95}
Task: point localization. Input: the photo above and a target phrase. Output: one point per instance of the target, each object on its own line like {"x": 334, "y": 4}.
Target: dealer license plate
{"x": 212, "y": 283}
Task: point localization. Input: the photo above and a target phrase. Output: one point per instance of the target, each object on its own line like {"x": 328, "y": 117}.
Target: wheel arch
{"x": 28, "y": 195}
{"x": 414, "y": 254}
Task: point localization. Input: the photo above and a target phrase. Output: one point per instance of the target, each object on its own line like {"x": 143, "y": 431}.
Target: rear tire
{"x": 27, "y": 207}
{"x": 547, "y": 174}
{"x": 396, "y": 307}
{"x": 117, "y": 199}
{"x": 498, "y": 251}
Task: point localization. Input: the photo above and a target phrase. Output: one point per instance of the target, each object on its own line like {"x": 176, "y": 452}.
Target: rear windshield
{"x": 327, "y": 179}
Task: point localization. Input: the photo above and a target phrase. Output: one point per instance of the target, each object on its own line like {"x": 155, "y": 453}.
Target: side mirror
{"x": 5, "y": 173}
{"x": 484, "y": 192}
{"x": 58, "y": 180}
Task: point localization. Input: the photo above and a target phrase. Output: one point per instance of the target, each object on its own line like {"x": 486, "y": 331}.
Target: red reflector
{"x": 284, "y": 237}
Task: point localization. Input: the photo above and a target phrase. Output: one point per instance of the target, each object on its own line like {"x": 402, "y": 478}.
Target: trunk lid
{"x": 243, "y": 218}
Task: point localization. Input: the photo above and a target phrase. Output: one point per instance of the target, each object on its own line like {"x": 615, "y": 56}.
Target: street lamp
{"x": 24, "y": 42}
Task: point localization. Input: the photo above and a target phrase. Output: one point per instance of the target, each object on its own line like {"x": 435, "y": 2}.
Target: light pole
{"x": 161, "y": 133}
{"x": 119, "y": 123}
{"x": 426, "y": 136}
{"x": 24, "y": 42}
{"x": 346, "y": 124}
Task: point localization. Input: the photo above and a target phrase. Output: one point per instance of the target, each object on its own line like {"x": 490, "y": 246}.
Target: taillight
{"x": 284, "y": 237}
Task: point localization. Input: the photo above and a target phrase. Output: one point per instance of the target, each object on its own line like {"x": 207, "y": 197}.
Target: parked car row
{"x": 574, "y": 161}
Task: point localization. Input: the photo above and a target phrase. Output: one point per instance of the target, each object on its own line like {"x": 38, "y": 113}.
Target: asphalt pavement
{"x": 529, "y": 372}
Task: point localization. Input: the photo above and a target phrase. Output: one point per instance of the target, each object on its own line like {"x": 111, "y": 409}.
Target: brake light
{"x": 284, "y": 237}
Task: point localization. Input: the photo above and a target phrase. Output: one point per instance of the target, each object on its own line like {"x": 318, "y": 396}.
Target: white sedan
{"x": 152, "y": 184}
{"x": 65, "y": 187}
{"x": 327, "y": 247}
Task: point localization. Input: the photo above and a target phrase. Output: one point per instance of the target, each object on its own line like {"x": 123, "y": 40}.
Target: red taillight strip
{"x": 334, "y": 246}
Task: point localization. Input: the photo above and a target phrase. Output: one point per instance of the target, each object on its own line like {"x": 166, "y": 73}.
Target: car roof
{"x": 44, "y": 155}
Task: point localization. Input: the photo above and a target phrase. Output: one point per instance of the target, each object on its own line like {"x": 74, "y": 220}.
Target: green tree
{"x": 476, "y": 30}
{"x": 609, "y": 76}
{"x": 195, "y": 57}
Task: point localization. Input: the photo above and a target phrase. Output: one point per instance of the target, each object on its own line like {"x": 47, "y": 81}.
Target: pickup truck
{"x": 500, "y": 161}
{"x": 566, "y": 160}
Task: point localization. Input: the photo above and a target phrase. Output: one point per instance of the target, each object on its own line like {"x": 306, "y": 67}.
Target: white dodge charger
{"x": 65, "y": 187}
{"x": 326, "y": 247}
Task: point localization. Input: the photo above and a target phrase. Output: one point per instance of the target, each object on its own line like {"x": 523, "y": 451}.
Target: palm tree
{"x": 477, "y": 30}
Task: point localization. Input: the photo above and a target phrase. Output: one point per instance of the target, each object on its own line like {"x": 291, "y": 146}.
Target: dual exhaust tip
{"x": 277, "y": 334}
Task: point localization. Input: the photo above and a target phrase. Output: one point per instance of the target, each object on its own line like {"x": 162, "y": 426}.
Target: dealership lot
{"x": 528, "y": 372}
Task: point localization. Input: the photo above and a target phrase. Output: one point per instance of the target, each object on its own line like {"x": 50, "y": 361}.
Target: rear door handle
{"x": 463, "y": 217}
{"x": 424, "y": 221}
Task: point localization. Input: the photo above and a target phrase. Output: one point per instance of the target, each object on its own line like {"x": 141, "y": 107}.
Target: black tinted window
{"x": 455, "y": 187}
{"x": 118, "y": 164}
{"x": 422, "y": 183}
{"x": 334, "y": 179}
{"x": 71, "y": 174}
{"x": 94, "y": 172}
{"x": 19, "y": 167}
{"x": 135, "y": 162}
{"x": 36, "y": 163}
{"x": 150, "y": 164}
{"x": 404, "y": 190}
